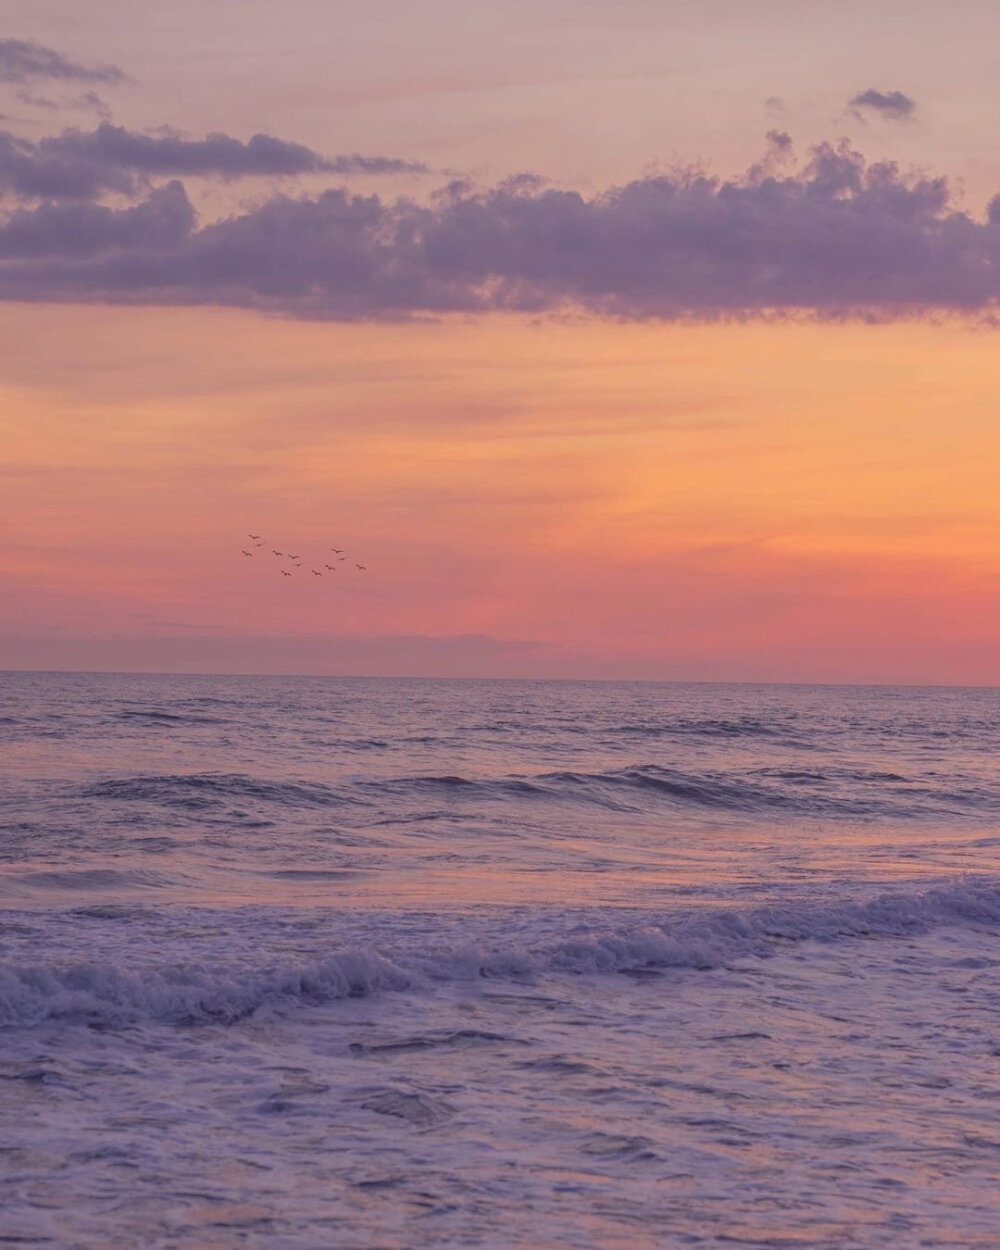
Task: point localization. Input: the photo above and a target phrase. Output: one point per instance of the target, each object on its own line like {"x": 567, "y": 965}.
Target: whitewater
{"x": 310, "y": 962}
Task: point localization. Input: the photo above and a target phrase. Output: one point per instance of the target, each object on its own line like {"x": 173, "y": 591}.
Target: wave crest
{"x": 107, "y": 996}
{"x": 199, "y": 790}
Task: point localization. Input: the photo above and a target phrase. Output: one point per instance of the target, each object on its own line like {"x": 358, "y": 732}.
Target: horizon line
{"x": 618, "y": 681}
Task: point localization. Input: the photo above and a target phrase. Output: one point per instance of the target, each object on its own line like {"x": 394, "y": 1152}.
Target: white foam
{"x": 224, "y": 992}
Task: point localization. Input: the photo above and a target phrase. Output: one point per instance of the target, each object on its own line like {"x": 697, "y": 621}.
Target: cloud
{"x": 836, "y": 236}
{"x": 164, "y": 219}
{"x": 88, "y": 100}
{"x": 29, "y": 172}
{"x": 25, "y": 61}
{"x": 217, "y": 155}
{"x": 34, "y": 100}
{"x": 892, "y": 104}
{"x": 778, "y": 154}
{"x": 354, "y": 163}
{"x": 83, "y": 164}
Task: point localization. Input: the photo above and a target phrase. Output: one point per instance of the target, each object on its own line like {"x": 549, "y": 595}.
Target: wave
{"x": 82, "y": 879}
{"x": 798, "y": 792}
{"x": 744, "y": 727}
{"x": 830, "y": 792}
{"x": 156, "y": 716}
{"x": 99, "y": 995}
{"x": 199, "y": 790}
{"x": 109, "y": 996}
{"x": 769, "y": 791}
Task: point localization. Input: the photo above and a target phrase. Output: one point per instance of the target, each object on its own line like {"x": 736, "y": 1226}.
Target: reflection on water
{"x": 296, "y": 963}
{"x": 393, "y": 793}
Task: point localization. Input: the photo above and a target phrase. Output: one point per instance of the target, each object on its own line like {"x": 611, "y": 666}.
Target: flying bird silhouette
{"x": 296, "y": 560}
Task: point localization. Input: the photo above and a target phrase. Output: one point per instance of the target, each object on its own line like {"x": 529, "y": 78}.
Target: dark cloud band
{"x": 25, "y": 61}
{"x": 84, "y": 164}
{"x": 836, "y": 237}
{"x": 219, "y": 155}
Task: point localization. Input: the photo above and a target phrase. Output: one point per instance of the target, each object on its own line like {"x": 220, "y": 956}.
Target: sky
{"x": 632, "y": 340}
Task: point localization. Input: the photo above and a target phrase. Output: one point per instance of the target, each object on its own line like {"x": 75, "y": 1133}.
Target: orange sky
{"x": 571, "y": 496}
{"x": 808, "y": 502}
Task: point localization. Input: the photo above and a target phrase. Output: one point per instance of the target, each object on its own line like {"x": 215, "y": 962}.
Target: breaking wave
{"x": 104, "y": 995}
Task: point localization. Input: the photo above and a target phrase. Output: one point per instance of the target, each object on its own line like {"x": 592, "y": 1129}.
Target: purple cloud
{"x": 218, "y": 155}
{"x": 28, "y": 172}
{"x": 83, "y": 164}
{"x": 892, "y": 104}
{"x": 25, "y": 61}
{"x": 835, "y": 237}
{"x": 164, "y": 219}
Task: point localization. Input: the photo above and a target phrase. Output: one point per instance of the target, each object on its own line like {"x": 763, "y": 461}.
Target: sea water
{"x": 312, "y": 962}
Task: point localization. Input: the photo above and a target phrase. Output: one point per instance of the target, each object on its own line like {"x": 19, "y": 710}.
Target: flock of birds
{"x": 260, "y": 544}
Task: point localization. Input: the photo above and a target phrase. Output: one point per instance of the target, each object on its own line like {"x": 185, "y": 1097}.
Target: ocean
{"x": 317, "y": 962}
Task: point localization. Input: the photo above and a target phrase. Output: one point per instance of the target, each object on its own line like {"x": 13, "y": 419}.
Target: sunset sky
{"x": 634, "y": 339}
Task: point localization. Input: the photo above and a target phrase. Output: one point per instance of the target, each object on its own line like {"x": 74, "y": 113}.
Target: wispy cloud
{"x": 217, "y": 155}
{"x": 83, "y": 164}
{"x": 24, "y": 61}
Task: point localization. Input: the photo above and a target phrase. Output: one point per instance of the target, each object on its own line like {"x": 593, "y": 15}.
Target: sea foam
{"x": 186, "y": 993}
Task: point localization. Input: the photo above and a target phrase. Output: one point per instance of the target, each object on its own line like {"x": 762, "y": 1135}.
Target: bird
{"x": 331, "y": 567}
{"x": 316, "y": 573}
{"x": 248, "y": 553}
{"x": 360, "y": 567}
{"x": 337, "y": 550}
{"x": 284, "y": 574}
{"x": 342, "y": 557}
{"x": 254, "y": 536}
{"x": 276, "y": 553}
{"x": 259, "y": 544}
